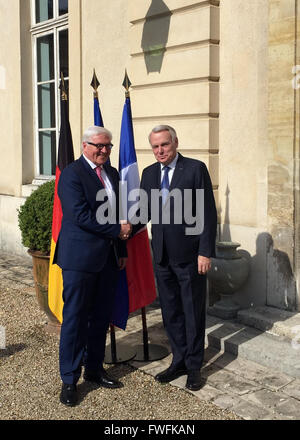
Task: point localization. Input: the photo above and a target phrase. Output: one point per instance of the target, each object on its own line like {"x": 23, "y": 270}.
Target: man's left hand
{"x": 204, "y": 264}
{"x": 122, "y": 263}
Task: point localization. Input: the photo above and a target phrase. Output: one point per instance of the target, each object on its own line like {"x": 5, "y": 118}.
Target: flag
{"x": 65, "y": 156}
{"x": 97, "y": 113}
{"x": 136, "y": 287}
{"x": 98, "y": 120}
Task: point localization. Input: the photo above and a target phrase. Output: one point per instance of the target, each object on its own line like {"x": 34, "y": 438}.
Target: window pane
{"x": 64, "y": 53}
{"x": 43, "y": 10}
{"x": 63, "y": 7}
{"x": 46, "y": 105}
{"x": 47, "y": 147}
{"x": 45, "y": 58}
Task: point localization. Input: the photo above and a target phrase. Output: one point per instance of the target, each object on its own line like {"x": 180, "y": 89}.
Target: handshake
{"x": 126, "y": 229}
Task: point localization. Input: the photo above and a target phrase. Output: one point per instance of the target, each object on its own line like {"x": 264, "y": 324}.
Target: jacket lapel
{"x": 91, "y": 171}
{"x": 111, "y": 177}
{"x": 157, "y": 175}
{"x": 178, "y": 172}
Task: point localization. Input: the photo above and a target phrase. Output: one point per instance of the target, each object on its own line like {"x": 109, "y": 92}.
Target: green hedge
{"x": 35, "y": 218}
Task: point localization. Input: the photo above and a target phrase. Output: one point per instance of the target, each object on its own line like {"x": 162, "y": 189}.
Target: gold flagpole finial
{"x": 62, "y": 87}
{"x": 95, "y": 84}
{"x": 126, "y": 84}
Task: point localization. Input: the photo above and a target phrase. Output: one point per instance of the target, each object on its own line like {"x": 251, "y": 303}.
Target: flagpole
{"x": 146, "y": 351}
{"x": 95, "y": 84}
{"x": 114, "y": 353}
{"x": 97, "y": 112}
{"x": 145, "y": 334}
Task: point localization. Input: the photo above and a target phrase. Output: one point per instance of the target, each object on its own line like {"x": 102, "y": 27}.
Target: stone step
{"x": 269, "y": 349}
{"x": 272, "y": 320}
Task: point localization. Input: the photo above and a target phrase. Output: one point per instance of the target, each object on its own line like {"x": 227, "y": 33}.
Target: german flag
{"x": 65, "y": 156}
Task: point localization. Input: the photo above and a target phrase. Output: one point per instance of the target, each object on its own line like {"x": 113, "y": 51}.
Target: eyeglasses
{"x": 101, "y": 146}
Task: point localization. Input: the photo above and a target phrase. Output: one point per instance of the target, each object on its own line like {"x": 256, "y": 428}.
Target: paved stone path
{"x": 247, "y": 389}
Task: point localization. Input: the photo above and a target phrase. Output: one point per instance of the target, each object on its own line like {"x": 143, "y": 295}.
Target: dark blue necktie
{"x": 165, "y": 184}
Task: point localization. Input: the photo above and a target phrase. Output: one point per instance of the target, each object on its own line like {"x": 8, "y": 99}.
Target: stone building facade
{"x": 223, "y": 73}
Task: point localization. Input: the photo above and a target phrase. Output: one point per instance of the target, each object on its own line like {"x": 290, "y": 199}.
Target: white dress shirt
{"x": 172, "y": 166}
{"x": 108, "y": 185}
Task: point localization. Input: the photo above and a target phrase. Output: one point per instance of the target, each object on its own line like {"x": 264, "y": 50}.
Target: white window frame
{"x": 52, "y": 26}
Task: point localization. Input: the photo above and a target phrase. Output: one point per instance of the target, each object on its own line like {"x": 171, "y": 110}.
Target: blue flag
{"x": 136, "y": 286}
{"x": 98, "y": 118}
{"x": 97, "y": 113}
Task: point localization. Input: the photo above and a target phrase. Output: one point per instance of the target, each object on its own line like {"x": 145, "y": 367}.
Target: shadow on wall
{"x": 272, "y": 276}
{"x": 273, "y": 267}
{"x": 155, "y": 35}
{"x": 226, "y": 226}
{"x": 271, "y": 281}
{"x": 281, "y": 283}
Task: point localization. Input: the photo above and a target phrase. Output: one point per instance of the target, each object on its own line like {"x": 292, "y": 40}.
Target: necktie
{"x": 165, "y": 185}
{"x": 98, "y": 171}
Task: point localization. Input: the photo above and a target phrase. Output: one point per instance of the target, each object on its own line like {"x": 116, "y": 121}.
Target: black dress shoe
{"x": 194, "y": 382}
{"x": 170, "y": 374}
{"x": 102, "y": 379}
{"x": 68, "y": 395}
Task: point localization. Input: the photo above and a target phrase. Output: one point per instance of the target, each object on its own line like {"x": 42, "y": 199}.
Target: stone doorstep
{"x": 270, "y": 350}
{"x": 239, "y": 340}
{"x": 272, "y": 320}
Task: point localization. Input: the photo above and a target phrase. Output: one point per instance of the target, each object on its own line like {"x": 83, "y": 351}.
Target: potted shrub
{"x": 35, "y": 223}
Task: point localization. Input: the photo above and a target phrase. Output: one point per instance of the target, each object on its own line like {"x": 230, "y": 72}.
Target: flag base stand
{"x": 151, "y": 352}
{"x": 123, "y": 353}
{"x": 146, "y": 351}
{"x": 116, "y": 354}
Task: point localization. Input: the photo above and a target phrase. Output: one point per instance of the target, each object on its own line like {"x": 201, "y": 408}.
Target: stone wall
{"x": 16, "y": 120}
{"x": 174, "y": 69}
{"x": 243, "y": 151}
{"x": 283, "y": 163}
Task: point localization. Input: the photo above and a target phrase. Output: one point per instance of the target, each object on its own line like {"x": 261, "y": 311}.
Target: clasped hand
{"x": 126, "y": 229}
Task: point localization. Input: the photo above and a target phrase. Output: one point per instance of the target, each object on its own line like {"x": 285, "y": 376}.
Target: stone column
{"x": 283, "y": 161}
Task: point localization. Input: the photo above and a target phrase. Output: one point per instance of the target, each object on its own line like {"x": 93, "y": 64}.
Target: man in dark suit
{"x": 89, "y": 251}
{"x": 181, "y": 250}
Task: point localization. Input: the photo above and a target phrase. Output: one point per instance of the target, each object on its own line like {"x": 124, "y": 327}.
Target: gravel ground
{"x": 30, "y": 383}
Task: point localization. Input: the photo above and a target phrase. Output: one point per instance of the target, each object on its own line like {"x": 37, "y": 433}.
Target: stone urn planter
{"x": 229, "y": 272}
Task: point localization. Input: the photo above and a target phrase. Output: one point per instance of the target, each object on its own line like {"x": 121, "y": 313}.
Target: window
{"x": 50, "y": 55}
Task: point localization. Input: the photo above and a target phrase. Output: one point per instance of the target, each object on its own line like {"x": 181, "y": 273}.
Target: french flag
{"x": 136, "y": 285}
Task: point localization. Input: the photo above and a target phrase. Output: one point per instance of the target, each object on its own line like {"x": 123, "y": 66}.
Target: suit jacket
{"x": 172, "y": 238}
{"x": 84, "y": 244}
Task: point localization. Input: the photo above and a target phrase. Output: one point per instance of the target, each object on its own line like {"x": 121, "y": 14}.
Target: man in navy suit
{"x": 90, "y": 250}
{"x": 181, "y": 250}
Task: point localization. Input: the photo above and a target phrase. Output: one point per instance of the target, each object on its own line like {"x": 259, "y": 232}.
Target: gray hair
{"x": 160, "y": 128}
{"x": 94, "y": 130}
